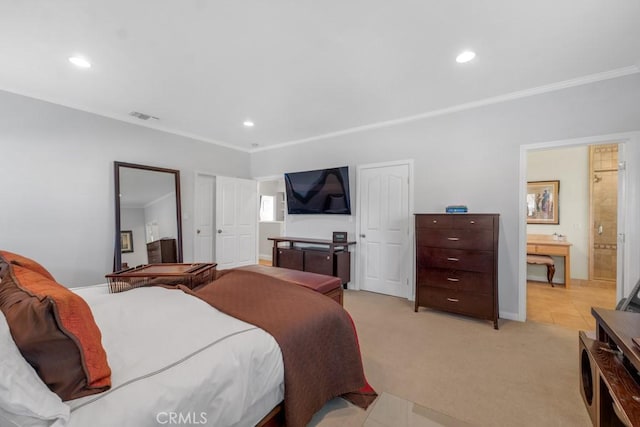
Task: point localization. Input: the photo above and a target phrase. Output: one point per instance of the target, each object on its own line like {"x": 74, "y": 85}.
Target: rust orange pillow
{"x": 55, "y": 332}
{"x": 27, "y": 263}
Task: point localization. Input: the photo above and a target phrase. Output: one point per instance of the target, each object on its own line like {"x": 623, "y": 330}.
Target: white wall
{"x": 571, "y": 167}
{"x": 133, "y": 219}
{"x": 472, "y": 157}
{"x": 57, "y": 182}
{"x": 265, "y": 246}
{"x": 163, "y": 213}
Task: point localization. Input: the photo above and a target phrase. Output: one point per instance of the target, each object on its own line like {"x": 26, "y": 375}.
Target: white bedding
{"x": 174, "y": 357}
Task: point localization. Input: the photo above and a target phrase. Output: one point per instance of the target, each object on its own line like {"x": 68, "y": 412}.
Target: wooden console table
{"x": 609, "y": 365}
{"x": 543, "y": 244}
{"x": 313, "y": 255}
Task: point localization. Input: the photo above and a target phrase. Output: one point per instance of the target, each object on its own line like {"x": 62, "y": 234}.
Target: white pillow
{"x": 24, "y": 399}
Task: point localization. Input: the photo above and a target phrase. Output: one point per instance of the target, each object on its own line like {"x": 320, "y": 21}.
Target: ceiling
{"x": 303, "y": 69}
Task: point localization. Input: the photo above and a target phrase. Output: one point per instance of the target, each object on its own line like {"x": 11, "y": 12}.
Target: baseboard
{"x": 265, "y": 257}
{"x": 509, "y": 316}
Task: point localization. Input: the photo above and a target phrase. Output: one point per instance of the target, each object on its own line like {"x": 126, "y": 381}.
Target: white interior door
{"x": 204, "y": 218}
{"x": 385, "y": 250}
{"x": 236, "y": 209}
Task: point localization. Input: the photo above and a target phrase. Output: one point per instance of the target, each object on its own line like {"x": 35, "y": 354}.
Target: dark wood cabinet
{"x": 313, "y": 255}
{"x": 457, "y": 264}
{"x": 609, "y": 365}
{"x": 162, "y": 251}
{"x": 289, "y": 258}
{"x": 319, "y": 261}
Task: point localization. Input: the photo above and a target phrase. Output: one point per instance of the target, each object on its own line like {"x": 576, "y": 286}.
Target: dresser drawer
{"x": 455, "y": 259}
{"x": 458, "y": 280}
{"x": 154, "y": 257}
{"x": 434, "y": 221}
{"x": 471, "y": 221}
{"x": 457, "y": 302}
{"x": 455, "y": 238}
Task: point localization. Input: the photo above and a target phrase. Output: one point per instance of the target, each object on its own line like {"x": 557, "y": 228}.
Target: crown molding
{"x": 128, "y": 119}
{"x": 565, "y": 84}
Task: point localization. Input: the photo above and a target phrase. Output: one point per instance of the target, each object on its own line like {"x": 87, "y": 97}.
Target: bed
{"x": 174, "y": 358}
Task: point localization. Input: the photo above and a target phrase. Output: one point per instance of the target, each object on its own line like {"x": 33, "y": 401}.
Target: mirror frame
{"x": 117, "y": 259}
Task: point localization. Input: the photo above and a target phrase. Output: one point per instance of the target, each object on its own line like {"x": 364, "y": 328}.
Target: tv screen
{"x": 324, "y": 191}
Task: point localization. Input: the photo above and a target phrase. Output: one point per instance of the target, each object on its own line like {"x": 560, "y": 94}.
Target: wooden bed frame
{"x": 275, "y": 418}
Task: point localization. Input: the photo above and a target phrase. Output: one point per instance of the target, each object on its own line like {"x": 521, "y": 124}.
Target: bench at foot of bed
{"x": 327, "y": 285}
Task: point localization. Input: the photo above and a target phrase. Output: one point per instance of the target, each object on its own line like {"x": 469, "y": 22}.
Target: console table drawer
{"x": 456, "y": 259}
{"x": 457, "y": 302}
{"x": 547, "y": 249}
{"x": 289, "y": 258}
{"x": 318, "y": 262}
{"x": 457, "y": 280}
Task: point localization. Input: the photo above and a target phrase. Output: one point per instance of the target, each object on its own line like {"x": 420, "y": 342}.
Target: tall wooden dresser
{"x": 162, "y": 251}
{"x": 457, "y": 264}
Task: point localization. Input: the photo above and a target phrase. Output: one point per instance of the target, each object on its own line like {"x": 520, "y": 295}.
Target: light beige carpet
{"x": 525, "y": 374}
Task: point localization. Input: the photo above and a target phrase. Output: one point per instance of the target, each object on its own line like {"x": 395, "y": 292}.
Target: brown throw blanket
{"x": 317, "y": 339}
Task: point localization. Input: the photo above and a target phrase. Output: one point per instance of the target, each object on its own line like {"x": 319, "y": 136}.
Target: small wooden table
{"x": 543, "y": 244}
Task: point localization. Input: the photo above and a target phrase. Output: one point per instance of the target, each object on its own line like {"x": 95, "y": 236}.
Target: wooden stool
{"x": 543, "y": 260}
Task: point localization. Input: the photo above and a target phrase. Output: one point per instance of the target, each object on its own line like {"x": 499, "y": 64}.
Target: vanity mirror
{"x": 148, "y": 216}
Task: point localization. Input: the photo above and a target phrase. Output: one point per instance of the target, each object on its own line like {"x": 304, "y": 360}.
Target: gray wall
{"x": 472, "y": 157}
{"x": 57, "y": 182}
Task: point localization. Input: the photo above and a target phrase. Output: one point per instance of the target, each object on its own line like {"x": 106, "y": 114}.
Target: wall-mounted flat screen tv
{"x": 324, "y": 191}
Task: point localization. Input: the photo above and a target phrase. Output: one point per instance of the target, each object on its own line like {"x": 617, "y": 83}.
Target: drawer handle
{"x": 472, "y": 222}
{"x": 453, "y": 299}
{"x": 453, "y": 259}
{"x": 453, "y": 239}
{"x": 451, "y": 279}
{"x": 328, "y": 258}
{"x": 435, "y": 221}
{"x": 280, "y": 252}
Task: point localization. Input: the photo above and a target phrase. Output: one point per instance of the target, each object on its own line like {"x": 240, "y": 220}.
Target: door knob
{"x": 363, "y": 235}
{"x": 198, "y": 231}
{"x": 219, "y": 231}
{"x": 600, "y": 229}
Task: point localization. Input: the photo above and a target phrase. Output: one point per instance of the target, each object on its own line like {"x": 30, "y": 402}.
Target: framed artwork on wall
{"x": 542, "y": 202}
{"x": 126, "y": 241}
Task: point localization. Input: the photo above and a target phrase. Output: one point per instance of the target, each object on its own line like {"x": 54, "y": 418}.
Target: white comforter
{"x": 177, "y": 360}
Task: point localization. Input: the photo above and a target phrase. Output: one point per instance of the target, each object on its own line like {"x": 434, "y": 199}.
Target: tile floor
{"x": 387, "y": 411}
{"x": 571, "y": 307}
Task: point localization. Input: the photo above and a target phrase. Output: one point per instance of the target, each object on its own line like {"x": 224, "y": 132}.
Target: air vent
{"x": 142, "y": 116}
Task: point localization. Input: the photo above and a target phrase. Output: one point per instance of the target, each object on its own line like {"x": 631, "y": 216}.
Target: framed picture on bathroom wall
{"x": 542, "y": 202}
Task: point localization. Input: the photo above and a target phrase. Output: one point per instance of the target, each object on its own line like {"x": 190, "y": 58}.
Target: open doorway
{"x": 563, "y": 289}
{"x": 271, "y": 216}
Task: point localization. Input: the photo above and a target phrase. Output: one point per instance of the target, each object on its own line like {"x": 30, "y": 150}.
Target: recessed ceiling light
{"x": 465, "y": 56}
{"x": 79, "y": 62}
{"x": 248, "y": 123}
{"x": 254, "y": 145}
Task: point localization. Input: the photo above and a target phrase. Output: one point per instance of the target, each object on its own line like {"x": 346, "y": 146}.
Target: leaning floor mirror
{"x": 148, "y": 216}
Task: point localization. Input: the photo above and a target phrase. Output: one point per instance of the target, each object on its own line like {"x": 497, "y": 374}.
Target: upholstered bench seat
{"x": 327, "y": 285}
{"x": 543, "y": 260}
